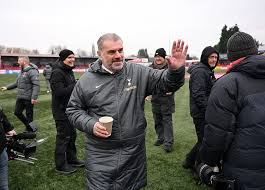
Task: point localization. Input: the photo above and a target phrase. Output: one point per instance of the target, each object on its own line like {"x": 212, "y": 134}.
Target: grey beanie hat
{"x": 239, "y": 45}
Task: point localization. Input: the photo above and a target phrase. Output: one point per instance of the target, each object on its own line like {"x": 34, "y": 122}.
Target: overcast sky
{"x": 77, "y": 24}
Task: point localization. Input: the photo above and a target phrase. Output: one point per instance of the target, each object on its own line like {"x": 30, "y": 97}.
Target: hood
{"x": 253, "y": 66}
{"x": 206, "y": 53}
{"x": 31, "y": 66}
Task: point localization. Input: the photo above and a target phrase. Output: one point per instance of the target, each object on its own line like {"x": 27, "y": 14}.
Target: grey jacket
{"x": 118, "y": 162}
{"x": 27, "y": 83}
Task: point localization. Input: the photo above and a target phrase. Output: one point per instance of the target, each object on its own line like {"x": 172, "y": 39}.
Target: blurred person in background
{"x": 47, "y": 71}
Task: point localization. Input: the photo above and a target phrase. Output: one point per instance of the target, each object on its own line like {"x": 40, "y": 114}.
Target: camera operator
{"x": 235, "y": 115}
{"x": 6, "y": 129}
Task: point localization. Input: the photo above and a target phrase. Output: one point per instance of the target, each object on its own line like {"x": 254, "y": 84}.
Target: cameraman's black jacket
{"x": 162, "y": 102}
{"x": 62, "y": 84}
{"x": 201, "y": 81}
{"x": 5, "y": 126}
{"x": 236, "y": 124}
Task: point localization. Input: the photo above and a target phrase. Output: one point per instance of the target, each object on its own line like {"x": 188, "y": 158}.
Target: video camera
{"x": 18, "y": 147}
{"x": 212, "y": 177}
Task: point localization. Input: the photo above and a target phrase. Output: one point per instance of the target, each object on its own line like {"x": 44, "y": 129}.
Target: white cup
{"x": 107, "y": 122}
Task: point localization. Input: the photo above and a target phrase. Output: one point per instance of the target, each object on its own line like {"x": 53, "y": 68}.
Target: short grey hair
{"x": 25, "y": 58}
{"x": 107, "y": 36}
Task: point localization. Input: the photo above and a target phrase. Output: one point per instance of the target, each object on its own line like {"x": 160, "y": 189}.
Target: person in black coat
{"x": 163, "y": 105}
{"x": 201, "y": 81}
{"x": 6, "y": 129}
{"x": 62, "y": 84}
{"x": 235, "y": 134}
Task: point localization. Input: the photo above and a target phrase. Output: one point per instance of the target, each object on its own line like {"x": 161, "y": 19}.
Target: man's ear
{"x": 99, "y": 53}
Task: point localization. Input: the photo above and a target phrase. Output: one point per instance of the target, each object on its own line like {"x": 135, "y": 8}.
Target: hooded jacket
{"x": 62, "y": 84}
{"x": 27, "y": 83}
{"x": 117, "y": 162}
{"x": 201, "y": 81}
{"x": 236, "y": 124}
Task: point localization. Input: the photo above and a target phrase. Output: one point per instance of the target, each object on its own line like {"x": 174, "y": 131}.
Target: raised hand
{"x": 178, "y": 55}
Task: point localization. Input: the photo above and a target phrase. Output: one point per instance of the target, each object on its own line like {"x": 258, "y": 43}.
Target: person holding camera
{"x": 62, "y": 84}
{"x": 6, "y": 129}
{"x": 28, "y": 86}
{"x": 235, "y": 115}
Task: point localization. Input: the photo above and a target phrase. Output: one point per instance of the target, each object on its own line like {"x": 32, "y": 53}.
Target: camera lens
{"x": 205, "y": 172}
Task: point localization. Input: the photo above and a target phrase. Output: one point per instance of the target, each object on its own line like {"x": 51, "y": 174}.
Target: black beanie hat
{"x": 64, "y": 54}
{"x": 239, "y": 45}
{"x": 161, "y": 52}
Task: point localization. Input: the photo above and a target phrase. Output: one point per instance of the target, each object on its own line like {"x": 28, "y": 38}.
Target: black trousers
{"x": 22, "y": 105}
{"x": 164, "y": 128}
{"x": 65, "y": 149}
{"x": 193, "y": 155}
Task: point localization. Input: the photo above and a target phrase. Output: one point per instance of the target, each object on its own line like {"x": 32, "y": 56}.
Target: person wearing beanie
{"x": 62, "y": 83}
{"x": 200, "y": 84}
{"x": 235, "y": 131}
{"x": 163, "y": 105}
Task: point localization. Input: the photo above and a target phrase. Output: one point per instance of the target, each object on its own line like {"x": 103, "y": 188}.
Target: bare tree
{"x": 55, "y": 49}
{"x": 82, "y": 53}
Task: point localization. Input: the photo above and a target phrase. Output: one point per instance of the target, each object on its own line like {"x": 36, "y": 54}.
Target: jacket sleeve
{"x": 58, "y": 84}
{"x": 34, "y": 78}
{"x": 13, "y": 85}
{"x": 163, "y": 81}
{"x": 198, "y": 88}
{"x": 76, "y": 111}
{"x": 221, "y": 118}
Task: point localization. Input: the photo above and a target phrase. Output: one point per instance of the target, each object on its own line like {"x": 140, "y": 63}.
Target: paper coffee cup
{"x": 107, "y": 122}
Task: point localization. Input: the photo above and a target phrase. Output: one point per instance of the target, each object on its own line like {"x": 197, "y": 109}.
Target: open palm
{"x": 178, "y": 55}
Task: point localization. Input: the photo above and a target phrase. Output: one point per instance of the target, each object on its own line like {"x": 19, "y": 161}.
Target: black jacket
{"x": 201, "y": 81}
{"x": 236, "y": 124}
{"x": 62, "y": 84}
{"x": 200, "y": 85}
{"x": 162, "y": 102}
{"x": 5, "y": 126}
